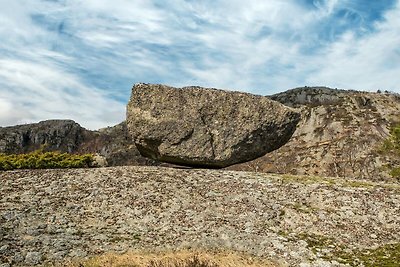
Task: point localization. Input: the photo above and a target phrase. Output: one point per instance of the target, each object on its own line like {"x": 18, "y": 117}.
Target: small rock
{"x": 59, "y": 255}
{"x": 18, "y": 257}
{"x": 3, "y": 248}
{"x": 100, "y": 161}
{"x": 278, "y": 245}
{"x": 78, "y": 253}
{"x": 33, "y": 258}
{"x": 100, "y": 237}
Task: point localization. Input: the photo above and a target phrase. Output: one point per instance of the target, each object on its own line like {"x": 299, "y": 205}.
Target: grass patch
{"x": 195, "y": 261}
{"x": 329, "y": 249}
{"x": 395, "y": 173}
{"x": 303, "y": 208}
{"x": 359, "y": 184}
{"x": 316, "y": 242}
{"x": 304, "y": 179}
{"x": 171, "y": 259}
{"x": 331, "y": 181}
{"x": 307, "y": 179}
{"x": 384, "y": 256}
{"x": 45, "y": 160}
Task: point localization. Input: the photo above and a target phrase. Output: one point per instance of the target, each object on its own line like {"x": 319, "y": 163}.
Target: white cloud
{"x": 370, "y": 62}
{"x": 327, "y": 6}
{"x": 43, "y": 92}
{"x": 9, "y": 114}
{"x": 69, "y": 59}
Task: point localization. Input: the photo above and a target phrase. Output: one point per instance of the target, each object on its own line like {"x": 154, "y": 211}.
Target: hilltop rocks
{"x": 112, "y": 144}
{"x": 340, "y": 134}
{"x": 196, "y": 126}
{"x": 63, "y": 135}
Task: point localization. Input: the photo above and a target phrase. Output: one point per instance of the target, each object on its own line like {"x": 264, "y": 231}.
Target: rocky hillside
{"x": 47, "y": 216}
{"x": 68, "y": 136}
{"x": 63, "y": 135}
{"x": 340, "y": 135}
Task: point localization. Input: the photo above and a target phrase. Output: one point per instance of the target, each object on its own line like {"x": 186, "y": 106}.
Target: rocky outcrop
{"x": 196, "y": 126}
{"x": 340, "y": 134}
{"x": 115, "y": 144}
{"x": 63, "y": 135}
{"x": 112, "y": 143}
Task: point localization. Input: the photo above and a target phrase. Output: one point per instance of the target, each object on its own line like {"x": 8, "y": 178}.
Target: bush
{"x": 45, "y": 160}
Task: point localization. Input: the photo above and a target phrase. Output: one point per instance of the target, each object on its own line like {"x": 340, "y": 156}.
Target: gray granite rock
{"x": 33, "y": 258}
{"x": 197, "y": 126}
{"x": 290, "y": 219}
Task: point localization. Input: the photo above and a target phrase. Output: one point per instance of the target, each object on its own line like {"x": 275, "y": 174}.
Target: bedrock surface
{"x": 51, "y": 215}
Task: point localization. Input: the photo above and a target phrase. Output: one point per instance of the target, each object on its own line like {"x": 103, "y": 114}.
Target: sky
{"x": 78, "y": 59}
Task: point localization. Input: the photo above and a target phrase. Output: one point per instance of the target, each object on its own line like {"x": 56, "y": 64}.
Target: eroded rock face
{"x": 112, "y": 144}
{"x": 62, "y": 135}
{"x": 196, "y": 126}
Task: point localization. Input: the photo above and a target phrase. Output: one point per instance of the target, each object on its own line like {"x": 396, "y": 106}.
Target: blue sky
{"x": 78, "y": 59}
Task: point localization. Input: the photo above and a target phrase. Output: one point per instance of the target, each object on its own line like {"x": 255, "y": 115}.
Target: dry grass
{"x": 171, "y": 259}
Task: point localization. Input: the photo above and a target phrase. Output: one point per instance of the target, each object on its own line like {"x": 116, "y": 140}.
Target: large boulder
{"x": 203, "y": 127}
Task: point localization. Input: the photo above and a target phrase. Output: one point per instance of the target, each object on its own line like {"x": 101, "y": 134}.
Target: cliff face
{"x": 63, "y": 135}
{"x": 339, "y": 135}
{"x": 68, "y": 136}
{"x": 116, "y": 145}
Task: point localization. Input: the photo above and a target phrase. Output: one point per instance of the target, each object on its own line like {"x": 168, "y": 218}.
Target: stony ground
{"x": 50, "y": 215}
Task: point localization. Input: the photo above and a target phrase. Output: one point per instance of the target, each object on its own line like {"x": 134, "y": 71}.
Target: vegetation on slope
{"x": 387, "y": 255}
{"x": 393, "y": 142}
{"x": 45, "y": 160}
{"x": 392, "y": 146}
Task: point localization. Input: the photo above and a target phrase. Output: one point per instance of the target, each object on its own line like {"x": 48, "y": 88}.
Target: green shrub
{"x": 45, "y": 160}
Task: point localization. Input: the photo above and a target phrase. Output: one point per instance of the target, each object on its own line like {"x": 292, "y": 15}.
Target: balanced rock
{"x": 204, "y": 127}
